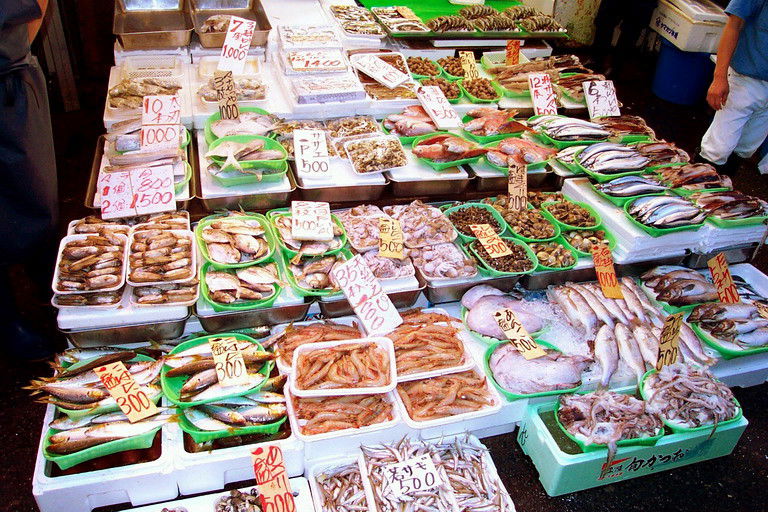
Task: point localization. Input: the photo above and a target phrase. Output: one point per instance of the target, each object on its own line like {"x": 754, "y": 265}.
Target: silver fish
{"x": 606, "y": 353}
{"x": 629, "y": 351}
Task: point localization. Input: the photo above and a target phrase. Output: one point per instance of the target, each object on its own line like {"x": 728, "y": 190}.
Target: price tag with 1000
{"x": 160, "y": 122}
{"x": 605, "y": 271}
{"x": 237, "y": 42}
{"x": 226, "y": 94}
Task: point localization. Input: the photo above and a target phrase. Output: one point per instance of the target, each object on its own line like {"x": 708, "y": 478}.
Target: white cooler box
{"x": 691, "y": 25}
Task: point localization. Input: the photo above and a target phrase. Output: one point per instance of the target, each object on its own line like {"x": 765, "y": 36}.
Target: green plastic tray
{"x": 496, "y": 215}
{"x": 65, "y": 462}
{"x": 267, "y": 176}
{"x": 524, "y": 94}
{"x": 654, "y": 168}
{"x": 724, "y": 351}
{"x": 439, "y": 74}
{"x": 179, "y": 187}
{"x": 560, "y": 240}
{"x": 528, "y": 167}
{"x": 618, "y": 201}
{"x": 439, "y": 166}
{"x": 403, "y": 140}
{"x": 485, "y": 267}
{"x": 517, "y": 235}
{"x": 633, "y": 138}
{"x": 581, "y": 254}
{"x": 202, "y": 436}
{"x": 485, "y": 139}
{"x": 684, "y": 192}
{"x": 640, "y": 441}
{"x": 210, "y": 137}
{"x": 172, "y": 385}
{"x": 219, "y": 266}
{"x": 562, "y": 144}
{"x": 240, "y": 306}
{"x": 657, "y": 232}
{"x": 270, "y": 144}
{"x": 677, "y": 429}
{"x": 453, "y": 101}
{"x": 290, "y": 253}
{"x": 603, "y": 178}
{"x": 515, "y": 396}
{"x": 737, "y": 223}
{"x": 474, "y": 99}
{"x": 306, "y": 292}
{"x": 568, "y": 227}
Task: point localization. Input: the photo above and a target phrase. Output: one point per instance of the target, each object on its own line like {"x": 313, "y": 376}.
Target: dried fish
{"x": 91, "y": 263}
{"x": 161, "y": 255}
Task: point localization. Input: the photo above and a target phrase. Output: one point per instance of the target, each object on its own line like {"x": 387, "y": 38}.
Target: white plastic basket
{"x": 71, "y": 238}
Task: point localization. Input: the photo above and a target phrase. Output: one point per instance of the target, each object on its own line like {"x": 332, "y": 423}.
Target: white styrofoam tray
{"x": 328, "y": 464}
{"x": 340, "y": 174}
{"x": 71, "y": 238}
{"x": 193, "y": 256}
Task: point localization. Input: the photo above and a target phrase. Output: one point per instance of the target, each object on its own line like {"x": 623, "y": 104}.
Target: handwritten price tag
{"x": 367, "y": 297}
{"x": 418, "y": 474}
{"x": 160, "y": 122}
{"x": 230, "y": 367}
{"x": 390, "y": 238}
{"x": 601, "y": 98}
{"x": 721, "y": 275}
{"x": 131, "y": 399}
{"x": 517, "y": 334}
{"x": 380, "y": 71}
{"x": 512, "y": 54}
{"x": 311, "y": 220}
{"x": 517, "y": 187}
{"x": 490, "y": 240}
{"x": 669, "y": 341}
{"x": 272, "y": 480}
{"x": 437, "y": 107}
{"x": 544, "y": 98}
{"x": 236, "y": 45}
{"x": 139, "y": 191}
{"x": 762, "y": 309}
{"x": 468, "y": 65}
{"x": 310, "y": 150}
{"x": 606, "y": 274}
{"x": 226, "y": 94}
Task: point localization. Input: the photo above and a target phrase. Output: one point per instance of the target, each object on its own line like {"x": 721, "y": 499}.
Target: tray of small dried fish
{"x": 239, "y": 289}
{"x": 189, "y": 375}
{"x": 281, "y": 222}
{"x": 337, "y": 486}
{"x": 162, "y": 221}
{"x": 235, "y": 240}
{"x": 90, "y": 263}
{"x": 422, "y": 224}
{"x": 399, "y": 20}
{"x": 161, "y": 257}
{"x": 142, "y": 26}
{"x": 128, "y": 94}
{"x": 686, "y": 178}
{"x": 661, "y": 152}
{"x": 429, "y": 350}
{"x": 211, "y": 20}
{"x": 349, "y": 367}
{"x": 729, "y": 209}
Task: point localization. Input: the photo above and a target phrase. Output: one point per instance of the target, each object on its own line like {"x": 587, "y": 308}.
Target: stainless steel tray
{"x": 636, "y": 268}
{"x": 152, "y": 331}
{"x": 250, "y": 10}
{"x": 429, "y": 187}
{"x": 355, "y": 194}
{"x": 735, "y": 254}
{"x": 540, "y": 280}
{"x": 140, "y": 27}
{"x": 536, "y": 179}
{"x": 341, "y": 307}
{"x": 437, "y": 293}
{"x": 253, "y": 318}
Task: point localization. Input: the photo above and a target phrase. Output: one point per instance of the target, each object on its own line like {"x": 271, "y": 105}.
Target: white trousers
{"x": 742, "y": 124}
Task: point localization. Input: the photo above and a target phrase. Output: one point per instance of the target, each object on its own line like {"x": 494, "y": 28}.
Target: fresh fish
{"x": 633, "y": 303}
{"x": 756, "y": 338}
{"x": 224, "y": 414}
{"x": 199, "y": 382}
{"x": 629, "y": 351}
{"x": 647, "y": 343}
{"x": 216, "y": 390}
{"x": 586, "y": 315}
{"x": 719, "y": 311}
{"x": 203, "y": 421}
{"x": 123, "y": 355}
{"x": 263, "y": 413}
{"x": 595, "y": 303}
{"x": 74, "y": 440}
{"x": 687, "y": 291}
{"x": 691, "y": 342}
{"x": 606, "y": 353}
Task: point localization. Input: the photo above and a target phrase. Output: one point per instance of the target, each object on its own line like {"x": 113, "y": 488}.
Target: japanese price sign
{"x": 601, "y": 98}
{"x": 762, "y": 310}
{"x": 228, "y": 361}
{"x": 721, "y": 275}
{"x": 236, "y": 45}
{"x": 390, "y": 238}
{"x": 160, "y": 122}
{"x": 512, "y": 54}
{"x": 517, "y": 187}
{"x": 544, "y": 99}
{"x": 669, "y": 341}
{"x": 380, "y": 71}
{"x": 491, "y": 241}
{"x": 367, "y": 297}
{"x": 310, "y": 149}
{"x": 468, "y": 65}
{"x": 138, "y": 191}
{"x": 437, "y": 107}
{"x": 418, "y": 474}
{"x": 131, "y": 399}
{"x": 517, "y": 334}
{"x": 272, "y": 479}
{"x": 226, "y": 94}
{"x": 606, "y": 274}
{"x": 311, "y": 220}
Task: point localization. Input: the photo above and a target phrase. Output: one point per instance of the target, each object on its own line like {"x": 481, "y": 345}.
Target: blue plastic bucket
{"x": 682, "y": 77}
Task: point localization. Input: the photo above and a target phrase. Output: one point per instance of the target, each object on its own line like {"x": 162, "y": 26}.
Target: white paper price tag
{"x": 311, "y": 220}
{"x": 380, "y": 71}
{"x": 139, "y": 191}
{"x": 310, "y": 150}
{"x": 366, "y": 296}
{"x": 411, "y": 476}
{"x": 160, "y": 122}
{"x": 236, "y": 45}
{"x": 601, "y": 98}
{"x": 437, "y": 107}
{"x": 544, "y": 98}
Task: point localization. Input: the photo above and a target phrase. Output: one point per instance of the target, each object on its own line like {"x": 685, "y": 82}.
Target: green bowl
{"x": 568, "y": 227}
{"x": 560, "y": 240}
{"x": 517, "y": 235}
{"x": 210, "y": 137}
{"x": 245, "y": 305}
{"x": 306, "y": 292}
{"x": 439, "y": 166}
{"x": 290, "y": 253}
{"x": 453, "y": 101}
{"x": 640, "y": 441}
{"x": 581, "y": 254}
{"x": 529, "y": 167}
{"x": 202, "y": 436}
{"x": 269, "y": 144}
{"x": 488, "y": 269}
{"x": 482, "y": 139}
{"x": 203, "y": 246}
{"x": 496, "y": 215}
{"x": 178, "y": 188}
{"x": 677, "y": 429}
{"x": 727, "y": 353}
{"x": 172, "y": 385}
{"x": 516, "y": 396}
{"x": 475, "y": 99}
{"x": 657, "y": 232}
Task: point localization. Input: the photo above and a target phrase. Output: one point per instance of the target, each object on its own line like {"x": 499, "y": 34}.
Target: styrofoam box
{"x": 684, "y": 32}
{"x": 72, "y": 238}
{"x": 562, "y": 473}
{"x": 303, "y": 499}
{"x": 332, "y": 463}
{"x": 121, "y": 53}
{"x": 701, "y": 10}
{"x": 138, "y": 484}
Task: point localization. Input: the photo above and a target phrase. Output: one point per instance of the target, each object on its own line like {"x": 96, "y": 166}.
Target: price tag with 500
{"x": 418, "y": 474}
{"x": 138, "y": 191}
{"x": 272, "y": 479}
{"x": 669, "y": 341}
{"x": 490, "y": 240}
{"x": 390, "y": 238}
{"x": 311, "y": 152}
{"x": 721, "y": 275}
{"x": 517, "y": 334}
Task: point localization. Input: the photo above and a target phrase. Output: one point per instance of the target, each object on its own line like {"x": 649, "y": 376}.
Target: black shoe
{"x": 27, "y": 345}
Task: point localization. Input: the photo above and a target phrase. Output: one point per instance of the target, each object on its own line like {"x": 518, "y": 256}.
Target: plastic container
{"x": 439, "y": 166}
{"x": 192, "y": 265}
{"x": 569, "y": 227}
{"x": 239, "y": 306}
{"x": 269, "y": 144}
{"x": 505, "y": 231}
{"x": 475, "y": 99}
{"x": 290, "y": 253}
{"x": 657, "y": 232}
{"x": 505, "y": 169}
{"x": 581, "y": 254}
{"x": 71, "y": 238}
{"x": 201, "y": 436}
{"x": 354, "y": 142}
{"x": 310, "y": 292}
{"x": 725, "y": 351}
{"x": 488, "y": 269}
{"x": 216, "y": 116}
{"x": 172, "y": 385}
{"x": 681, "y": 77}
{"x": 560, "y": 240}
{"x": 380, "y": 341}
{"x": 687, "y": 31}
{"x": 203, "y": 246}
